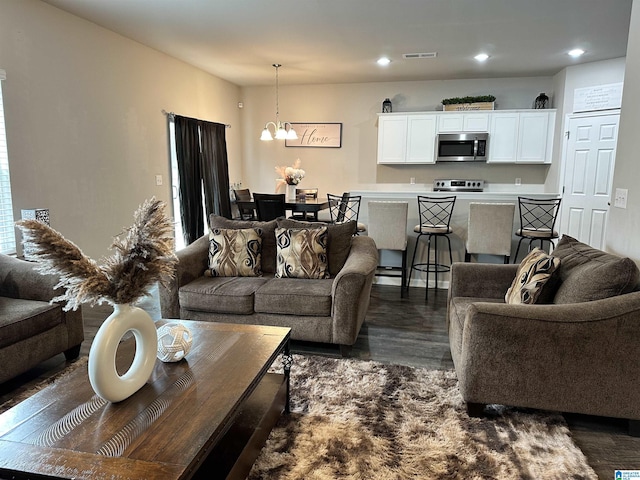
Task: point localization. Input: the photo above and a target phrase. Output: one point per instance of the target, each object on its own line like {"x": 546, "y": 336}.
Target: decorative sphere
{"x": 174, "y": 342}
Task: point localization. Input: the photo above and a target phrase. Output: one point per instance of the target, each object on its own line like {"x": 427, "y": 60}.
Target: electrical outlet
{"x": 158, "y": 180}
{"x": 620, "y": 199}
{"x": 518, "y": 181}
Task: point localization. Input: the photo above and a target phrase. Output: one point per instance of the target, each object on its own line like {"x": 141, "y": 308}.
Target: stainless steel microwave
{"x": 462, "y": 147}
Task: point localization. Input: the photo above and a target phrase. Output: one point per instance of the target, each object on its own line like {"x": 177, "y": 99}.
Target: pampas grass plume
{"x": 143, "y": 254}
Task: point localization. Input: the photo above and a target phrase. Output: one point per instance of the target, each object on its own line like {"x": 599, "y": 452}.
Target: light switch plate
{"x": 158, "y": 180}
{"x": 620, "y": 199}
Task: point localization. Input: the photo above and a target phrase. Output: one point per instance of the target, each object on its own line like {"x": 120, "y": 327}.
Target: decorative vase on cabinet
{"x": 291, "y": 193}
{"x": 104, "y": 377}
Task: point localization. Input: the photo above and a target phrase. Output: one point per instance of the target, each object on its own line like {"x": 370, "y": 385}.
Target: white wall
{"x": 85, "y": 131}
{"x": 623, "y": 229}
{"x": 356, "y": 107}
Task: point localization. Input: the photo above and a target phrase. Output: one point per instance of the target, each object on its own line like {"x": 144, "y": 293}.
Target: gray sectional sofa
{"x": 576, "y": 350}
{"x": 328, "y": 310}
{"x": 31, "y": 329}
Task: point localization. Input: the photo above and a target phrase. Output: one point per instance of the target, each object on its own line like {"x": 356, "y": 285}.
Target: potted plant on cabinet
{"x": 480, "y": 102}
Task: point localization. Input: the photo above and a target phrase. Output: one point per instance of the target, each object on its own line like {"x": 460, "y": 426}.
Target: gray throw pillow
{"x": 338, "y": 241}
{"x": 587, "y": 274}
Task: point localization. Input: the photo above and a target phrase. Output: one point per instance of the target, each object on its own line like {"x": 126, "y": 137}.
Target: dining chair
{"x": 269, "y": 206}
{"x": 435, "y": 219}
{"x": 388, "y": 227}
{"x": 489, "y": 230}
{"x": 244, "y": 195}
{"x": 304, "y": 194}
{"x": 537, "y": 221}
{"x": 346, "y": 208}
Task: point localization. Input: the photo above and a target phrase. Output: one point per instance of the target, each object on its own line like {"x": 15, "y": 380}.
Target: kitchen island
{"x": 492, "y": 193}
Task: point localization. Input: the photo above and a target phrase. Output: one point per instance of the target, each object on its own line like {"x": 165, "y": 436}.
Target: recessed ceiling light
{"x": 481, "y": 57}
{"x": 384, "y": 61}
{"x": 576, "y": 52}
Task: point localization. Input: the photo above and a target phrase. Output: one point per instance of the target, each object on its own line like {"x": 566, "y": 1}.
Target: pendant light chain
{"x": 282, "y": 131}
{"x": 277, "y": 65}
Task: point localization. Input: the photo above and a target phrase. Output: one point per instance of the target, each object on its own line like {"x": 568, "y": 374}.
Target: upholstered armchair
{"x": 32, "y": 329}
{"x": 577, "y": 352}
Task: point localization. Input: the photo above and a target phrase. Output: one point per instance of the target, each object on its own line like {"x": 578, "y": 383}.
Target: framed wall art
{"x": 318, "y": 135}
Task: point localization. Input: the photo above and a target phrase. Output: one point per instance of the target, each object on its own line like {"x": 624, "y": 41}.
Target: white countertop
{"x": 491, "y": 190}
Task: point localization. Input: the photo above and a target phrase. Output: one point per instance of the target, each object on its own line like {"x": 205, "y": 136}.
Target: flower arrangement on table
{"x": 144, "y": 254}
{"x": 290, "y": 175}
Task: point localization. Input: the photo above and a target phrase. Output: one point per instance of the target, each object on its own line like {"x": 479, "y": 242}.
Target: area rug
{"x": 369, "y": 421}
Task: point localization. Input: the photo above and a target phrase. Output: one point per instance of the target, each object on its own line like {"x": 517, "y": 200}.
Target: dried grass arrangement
{"x": 143, "y": 254}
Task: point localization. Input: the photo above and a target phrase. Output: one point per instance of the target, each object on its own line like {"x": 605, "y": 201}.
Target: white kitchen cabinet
{"x": 463, "y": 122}
{"x": 515, "y": 136}
{"x": 392, "y": 139}
{"x": 535, "y": 137}
{"x": 407, "y": 138}
{"x": 521, "y": 137}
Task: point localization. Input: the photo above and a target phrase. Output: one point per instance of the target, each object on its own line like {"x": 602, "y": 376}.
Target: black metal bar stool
{"x": 435, "y": 217}
{"x": 537, "y": 221}
{"x": 345, "y": 208}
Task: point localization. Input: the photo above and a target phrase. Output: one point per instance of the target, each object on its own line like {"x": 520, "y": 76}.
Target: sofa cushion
{"x": 338, "y": 240}
{"x": 235, "y": 252}
{"x": 533, "y": 273}
{"x": 221, "y": 294}
{"x": 290, "y": 296}
{"x": 302, "y": 253}
{"x": 21, "y": 319}
{"x": 268, "y": 256}
{"x": 587, "y": 274}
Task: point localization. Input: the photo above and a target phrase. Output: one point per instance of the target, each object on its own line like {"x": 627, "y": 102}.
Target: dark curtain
{"x": 190, "y": 174}
{"x": 201, "y": 150}
{"x": 215, "y": 169}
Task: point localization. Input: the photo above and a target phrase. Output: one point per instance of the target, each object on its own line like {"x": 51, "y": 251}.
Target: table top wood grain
{"x": 164, "y": 431}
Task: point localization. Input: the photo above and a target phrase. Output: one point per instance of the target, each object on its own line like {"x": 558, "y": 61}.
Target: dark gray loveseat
{"x": 328, "y": 310}
{"x": 31, "y": 329}
{"x": 576, "y": 352}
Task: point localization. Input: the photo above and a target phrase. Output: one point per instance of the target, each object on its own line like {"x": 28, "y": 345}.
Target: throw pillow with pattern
{"x": 534, "y": 271}
{"x": 235, "y": 252}
{"x": 302, "y": 253}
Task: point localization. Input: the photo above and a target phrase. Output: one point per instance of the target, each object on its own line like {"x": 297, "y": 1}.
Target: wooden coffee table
{"x": 207, "y": 416}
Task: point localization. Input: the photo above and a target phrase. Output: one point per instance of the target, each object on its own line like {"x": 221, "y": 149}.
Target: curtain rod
{"x": 172, "y": 114}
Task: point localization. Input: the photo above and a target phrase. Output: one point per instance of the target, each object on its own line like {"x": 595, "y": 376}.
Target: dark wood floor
{"x": 406, "y": 331}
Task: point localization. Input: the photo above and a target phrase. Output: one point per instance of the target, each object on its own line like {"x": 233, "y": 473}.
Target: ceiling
{"x": 339, "y": 41}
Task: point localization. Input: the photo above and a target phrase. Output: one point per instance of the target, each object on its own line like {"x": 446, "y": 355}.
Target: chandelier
{"x": 282, "y": 130}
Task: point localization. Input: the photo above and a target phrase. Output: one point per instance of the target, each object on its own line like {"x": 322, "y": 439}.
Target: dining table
{"x": 301, "y": 205}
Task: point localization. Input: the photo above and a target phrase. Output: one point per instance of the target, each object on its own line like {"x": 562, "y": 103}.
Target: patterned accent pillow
{"x": 235, "y": 252}
{"x": 534, "y": 271}
{"x": 302, "y": 253}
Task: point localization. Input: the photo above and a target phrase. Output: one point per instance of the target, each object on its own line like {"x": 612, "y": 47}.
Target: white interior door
{"x": 590, "y": 158}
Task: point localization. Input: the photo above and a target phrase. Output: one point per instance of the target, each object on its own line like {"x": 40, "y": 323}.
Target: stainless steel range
{"x": 452, "y": 185}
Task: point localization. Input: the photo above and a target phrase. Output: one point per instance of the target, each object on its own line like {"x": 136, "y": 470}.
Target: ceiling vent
{"x": 411, "y": 56}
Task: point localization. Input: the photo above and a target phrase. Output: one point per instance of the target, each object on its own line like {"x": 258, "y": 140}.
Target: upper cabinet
{"x": 521, "y": 136}
{"x": 463, "y": 122}
{"x": 515, "y": 136}
{"x": 406, "y": 138}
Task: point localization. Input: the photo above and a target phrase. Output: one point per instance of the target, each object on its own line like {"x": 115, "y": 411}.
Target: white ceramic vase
{"x": 104, "y": 377}
{"x": 291, "y": 193}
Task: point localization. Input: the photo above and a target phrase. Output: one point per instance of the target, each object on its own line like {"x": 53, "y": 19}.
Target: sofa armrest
{"x": 192, "y": 263}
{"x": 551, "y": 356}
{"x": 351, "y": 290}
{"x": 481, "y": 280}
{"x": 20, "y": 279}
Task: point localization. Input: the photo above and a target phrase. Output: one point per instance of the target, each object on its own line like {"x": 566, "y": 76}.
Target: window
{"x": 7, "y": 229}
